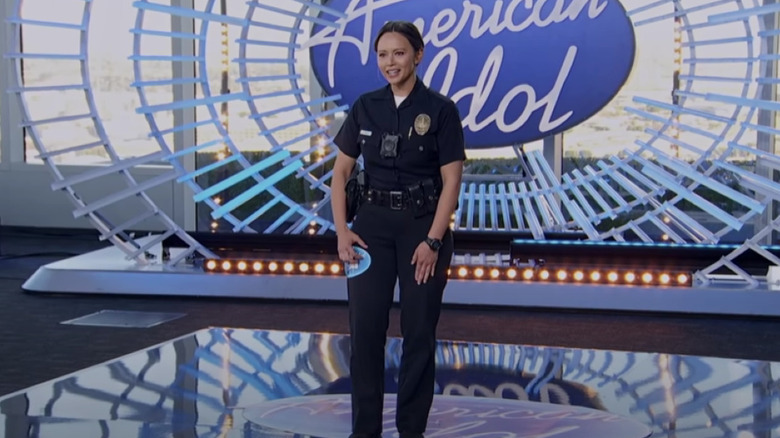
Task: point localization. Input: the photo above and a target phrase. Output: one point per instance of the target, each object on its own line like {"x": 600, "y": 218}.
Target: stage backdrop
{"x": 634, "y": 120}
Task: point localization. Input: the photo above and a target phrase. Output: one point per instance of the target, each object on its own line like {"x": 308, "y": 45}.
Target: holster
{"x": 424, "y": 197}
{"x": 355, "y": 190}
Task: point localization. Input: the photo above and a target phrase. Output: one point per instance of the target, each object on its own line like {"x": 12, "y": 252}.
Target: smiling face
{"x": 397, "y": 61}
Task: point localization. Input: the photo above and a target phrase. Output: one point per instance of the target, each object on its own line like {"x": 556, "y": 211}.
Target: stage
{"x": 232, "y": 382}
{"x": 227, "y": 382}
{"x": 107, "y": 271}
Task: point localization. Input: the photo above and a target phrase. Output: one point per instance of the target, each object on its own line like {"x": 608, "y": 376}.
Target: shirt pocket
{"x": 423, "y": 146}
{"x": 368, "y": 140}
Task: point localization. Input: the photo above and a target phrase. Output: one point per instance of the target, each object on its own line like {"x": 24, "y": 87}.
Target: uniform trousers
{"x": 392, "y": 237}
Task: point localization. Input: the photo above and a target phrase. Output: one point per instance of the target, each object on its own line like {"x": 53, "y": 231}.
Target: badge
{"x": 422, "y": 123}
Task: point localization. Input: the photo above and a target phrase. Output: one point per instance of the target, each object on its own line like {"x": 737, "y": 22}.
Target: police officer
{"x": 411, "y": 140}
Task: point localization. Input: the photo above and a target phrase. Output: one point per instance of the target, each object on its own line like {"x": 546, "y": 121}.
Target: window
{"x": 61, "y": 113}
{"x": 613, "y": 128}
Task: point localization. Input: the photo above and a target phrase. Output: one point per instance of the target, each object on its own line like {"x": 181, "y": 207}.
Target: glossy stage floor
{"x": 222, "y": 382}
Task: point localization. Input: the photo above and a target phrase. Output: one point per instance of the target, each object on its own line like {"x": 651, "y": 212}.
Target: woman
{"x": 411, "y": 139}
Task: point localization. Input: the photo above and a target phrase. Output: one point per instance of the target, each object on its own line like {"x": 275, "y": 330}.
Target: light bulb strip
{"x": 621, "y": 277}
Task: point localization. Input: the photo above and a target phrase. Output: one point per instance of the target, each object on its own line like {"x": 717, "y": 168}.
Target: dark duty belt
{"x": 393, "y": 199}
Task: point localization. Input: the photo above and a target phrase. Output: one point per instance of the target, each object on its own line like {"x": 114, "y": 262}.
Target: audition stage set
{"x": 620, "y": 157}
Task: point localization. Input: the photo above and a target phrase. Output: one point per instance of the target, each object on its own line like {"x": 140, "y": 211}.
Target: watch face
{"x": 435, "y": 244}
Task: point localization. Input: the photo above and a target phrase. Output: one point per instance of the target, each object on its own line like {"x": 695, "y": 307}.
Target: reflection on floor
{"x": 222, "y": 382}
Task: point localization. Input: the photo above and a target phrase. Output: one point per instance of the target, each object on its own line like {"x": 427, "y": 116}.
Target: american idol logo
{"x": 519, "y": 70}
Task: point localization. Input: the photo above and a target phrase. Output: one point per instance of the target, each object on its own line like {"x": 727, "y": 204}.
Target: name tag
{"x": 366, "y": 133}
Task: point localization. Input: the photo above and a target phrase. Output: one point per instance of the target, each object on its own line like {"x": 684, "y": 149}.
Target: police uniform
{"x": 427, "y": 133}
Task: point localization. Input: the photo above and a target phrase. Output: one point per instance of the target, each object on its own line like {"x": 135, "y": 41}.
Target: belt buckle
{"x": 396, "y": 200}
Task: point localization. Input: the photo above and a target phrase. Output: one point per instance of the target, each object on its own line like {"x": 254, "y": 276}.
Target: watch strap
{"x": 434, "y": 244}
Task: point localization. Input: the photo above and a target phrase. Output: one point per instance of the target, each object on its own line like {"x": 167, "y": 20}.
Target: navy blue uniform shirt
{"x": 431, "y": 135}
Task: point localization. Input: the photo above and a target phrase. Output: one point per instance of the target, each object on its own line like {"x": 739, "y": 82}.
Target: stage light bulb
{"x": 226, "y": 265}
{"x": 682, "y": 279}
{"x": 578, "y": 275}
{"x": 528, "y": 274}
{"x": 319, "y": 268}
{"x": 664, "y": 237}
{"x": 311, "y": 231}
{"x": 595, "y": 276}
{"x": 211, "y": 265}
{"x": 495, "y": 273}
{"x": 335, "y": 268}
{"x": 288, "y": 267}
{"x": 273, "y": 266}
{"x": 630, "y": 277}
{"x": 612, "y": 277}
{"x": 220, "y": 156}
{"x": 479, "y": 272}
{"x": 303, "y": 267}
{"x": 544, "y": 274}
{"x": 647, "y": 277}
{"x": 665, "y": 278}
{"x": 511, "y": 274}
{"x": 462, "y": 272}
{"x": 214, "y": 225}
{"x": 241, "y": 266}
{"x": 322, "y": 122}
{"x": 561, "y": 275}
{"x": 257, "y": 266}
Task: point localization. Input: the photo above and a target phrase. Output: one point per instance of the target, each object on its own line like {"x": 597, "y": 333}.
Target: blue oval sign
{"x": 519, "y": 70}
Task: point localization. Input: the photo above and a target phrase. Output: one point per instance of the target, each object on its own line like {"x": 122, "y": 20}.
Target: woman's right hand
{"x": 345, "y": 242}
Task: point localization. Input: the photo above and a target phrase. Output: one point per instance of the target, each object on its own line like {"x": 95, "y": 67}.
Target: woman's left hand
{"x": 425, "y": 260}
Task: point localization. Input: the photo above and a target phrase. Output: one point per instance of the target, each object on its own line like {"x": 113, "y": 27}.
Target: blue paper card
{"x": 353, "y": 269}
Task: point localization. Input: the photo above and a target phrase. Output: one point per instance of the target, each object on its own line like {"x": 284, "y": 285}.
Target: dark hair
{"x": 405, "y": 28}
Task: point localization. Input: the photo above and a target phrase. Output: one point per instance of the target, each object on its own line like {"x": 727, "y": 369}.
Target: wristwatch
{"x": 435, "y": 244}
